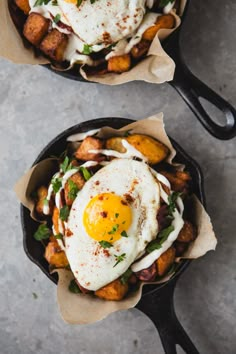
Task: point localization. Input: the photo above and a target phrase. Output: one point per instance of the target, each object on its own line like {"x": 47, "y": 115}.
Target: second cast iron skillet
{"x": 157, "y": 300}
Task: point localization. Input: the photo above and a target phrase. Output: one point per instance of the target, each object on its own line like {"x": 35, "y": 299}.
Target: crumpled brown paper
{"x": 157, "y": 67}
{"x": 80, "y": 308}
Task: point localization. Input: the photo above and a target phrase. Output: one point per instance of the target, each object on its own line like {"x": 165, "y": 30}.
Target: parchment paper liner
{"x": 79, "y": 308}
{"x": 158, "y": 67}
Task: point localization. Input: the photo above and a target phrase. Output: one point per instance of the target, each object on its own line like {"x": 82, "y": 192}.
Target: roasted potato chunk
{"x": 165, "y": 261}
{"x": 41, "y": 195}
{"x": 178, "y": 180}
{"x": 113, "y": 291}
{"x": 35, "y": 28}
{"x": 164, "y": 21}
{"x": 187, "y": 233}
{"x": 119, "y": 64}
{"x": 23, "y": 5}
{"x": 55, "y": 256}
{"x": 140, "y": 49}
{"x": 180, "y": 248}
{"x": 55, "y": 219}
{"x": 149, "y": 147}
{"x": 54, "y": 45}
{"x": 73, "y": 185}
{"x": 89, "y": 143}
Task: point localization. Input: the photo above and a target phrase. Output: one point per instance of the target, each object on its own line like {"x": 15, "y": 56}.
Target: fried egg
{"x": 111, "y": 221}
{"x": 103, "y": 21}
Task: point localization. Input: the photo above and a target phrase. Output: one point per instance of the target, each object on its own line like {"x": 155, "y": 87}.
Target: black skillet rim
{"x": 182, "y": 156}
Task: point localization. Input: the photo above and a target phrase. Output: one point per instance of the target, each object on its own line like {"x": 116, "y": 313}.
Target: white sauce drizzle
{"x": 82, "y": 136}
{"x": 130, "y": 152}
{"x": 149, "y": 3}
{"x": 168, "y": 7}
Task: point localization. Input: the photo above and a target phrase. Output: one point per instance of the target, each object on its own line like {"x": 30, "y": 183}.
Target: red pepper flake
{"x": 128, "y": 198}
{"x": 106, "y": 253}
{"x": 69, "y": 233}
{"x": 104, "y": 214}
{"x": 97, "y": 183}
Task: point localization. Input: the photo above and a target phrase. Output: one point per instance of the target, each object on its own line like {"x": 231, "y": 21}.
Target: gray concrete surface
{"x": 35, "y": 106}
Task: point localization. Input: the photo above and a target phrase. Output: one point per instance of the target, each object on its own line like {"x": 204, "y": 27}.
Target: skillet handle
{"x": 159, "y": 307}
{"x": 191, "y": 89}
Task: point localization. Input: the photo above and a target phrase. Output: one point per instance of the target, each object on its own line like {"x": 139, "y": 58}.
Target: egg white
{"x": 88, "y": 261}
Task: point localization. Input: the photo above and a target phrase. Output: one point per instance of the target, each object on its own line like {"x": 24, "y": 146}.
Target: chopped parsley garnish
{"x": 79, "y": 2}
{"x": 66, "y": 165}
{"x": 163, "y": 3}
{"x": 73, "y": 190}
{"x": 59, "y": 236}
{"x": 124, "y": 234}
{"x": 57, "y": 18}
{"x": 42, "y": 233}
{"x": 161, "y": 238}
{"x": 116, "y": 215}
{"x": 105, "y": 244}
{"x": 45, "y": 202}
{"x": 64, "y": 213}
{"x": 87, "y": 49}
{"x": 74, "y": 288}
{"x": 87, "y": 175}
{"x": 119, "y": 259}
{"x": 172, "y": 202}
{"x": 125, "y": 277}
{"x": 113, "y": 230}
{"x": 56, "y": 184}
{"x": 41, "y": 2}
{"x": 54, "y": 3}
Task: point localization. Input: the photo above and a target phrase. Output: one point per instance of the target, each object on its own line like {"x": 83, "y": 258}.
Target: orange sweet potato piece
{"x": 119, "y": 64}
{"x": 23, "y": 5}
{"x": 55, "y": 256}
{"x": 140, "y": 49}
{"x": 164, "y": 21}
{"x": 178, "y": 180}
{"x": 79, "y": 181}
{"x": 113, "y": 291}
{"x": 165, "y": 261}
{"x": 187, "y": 233}
{"x": 35, "y": 28}
{"x": 55, "y": 219}
{"x": 41, "y": 195}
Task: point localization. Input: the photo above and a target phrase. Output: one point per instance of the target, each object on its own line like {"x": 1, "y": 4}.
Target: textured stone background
{"x": 35, "y": 106}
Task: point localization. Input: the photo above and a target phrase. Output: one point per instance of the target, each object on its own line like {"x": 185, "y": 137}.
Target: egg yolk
{"x": 107, "y": 217}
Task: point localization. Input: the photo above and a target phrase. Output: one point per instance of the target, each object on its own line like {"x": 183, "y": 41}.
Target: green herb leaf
{"x": 73, "y": 287}
{"x": 163, "y": 235}
{"x": 79, "y": 2}
{"x": 163, "y": 3}
{"x": 114, "y": 229}
{"x": 42, "y": 233}
{"x": 41, "y": 2}
{"x": 57, "y": 18}
{"x": 87, "y": 49}
{"x": 119, "y": 259}
{"x": 127, "y": 133}
{"x": 56, "y": 184}
{"x": 59, "y": 236}
{"x": 54, "y": 3}
{"x": 66, "y": 165}
{"x": 172, "y": 202}
{"x": 124, "y": 234}
{"x": 125, "y": 277}
{"x": 73, "y": 190}
{"x": 45, "y": 202}
{"x": 64, "y": 213}
{"x": 116, "y": 215}
{"x": 87, "y": 175}
{"x": 105, "y": 244}
{"x": 161, "y": 238}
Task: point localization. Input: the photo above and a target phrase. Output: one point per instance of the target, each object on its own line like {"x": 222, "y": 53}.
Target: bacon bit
{"x": 104, "y": 214}
{"x": 148, "y": 274}
{"x": 106, "y": 253}
{"x": 69, "y": 233}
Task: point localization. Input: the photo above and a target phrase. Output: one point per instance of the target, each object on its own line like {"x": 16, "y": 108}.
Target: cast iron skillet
{"x": 157, "y": 300}
{"x": 190, "y": 89}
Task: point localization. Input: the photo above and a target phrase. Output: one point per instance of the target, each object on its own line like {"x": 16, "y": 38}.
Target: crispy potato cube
{"x": 89, "y": 143}
{"x": 177, "y": 184}
{"x": 140, "y": 49}
{"x": 23, "y": 5}
{"x": 79, "y": 181}
{"x": 187, "y": 233}
{"x": 55, "y": 256}
{"x": 41, "y": 195}
{"x": 164, "y": 21}
{"x": 113, "y": 291}
{"x": 185, "y": 176}
{"x": 115, "y": 143}
{"x": 149, "y": 147}
{"x": 54, "y": 45}
{"x": 165, "y": 261}
{"x": 119, "y": 64}
{"x": 35, "y": 28}
{"x": 55, "y": 219}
